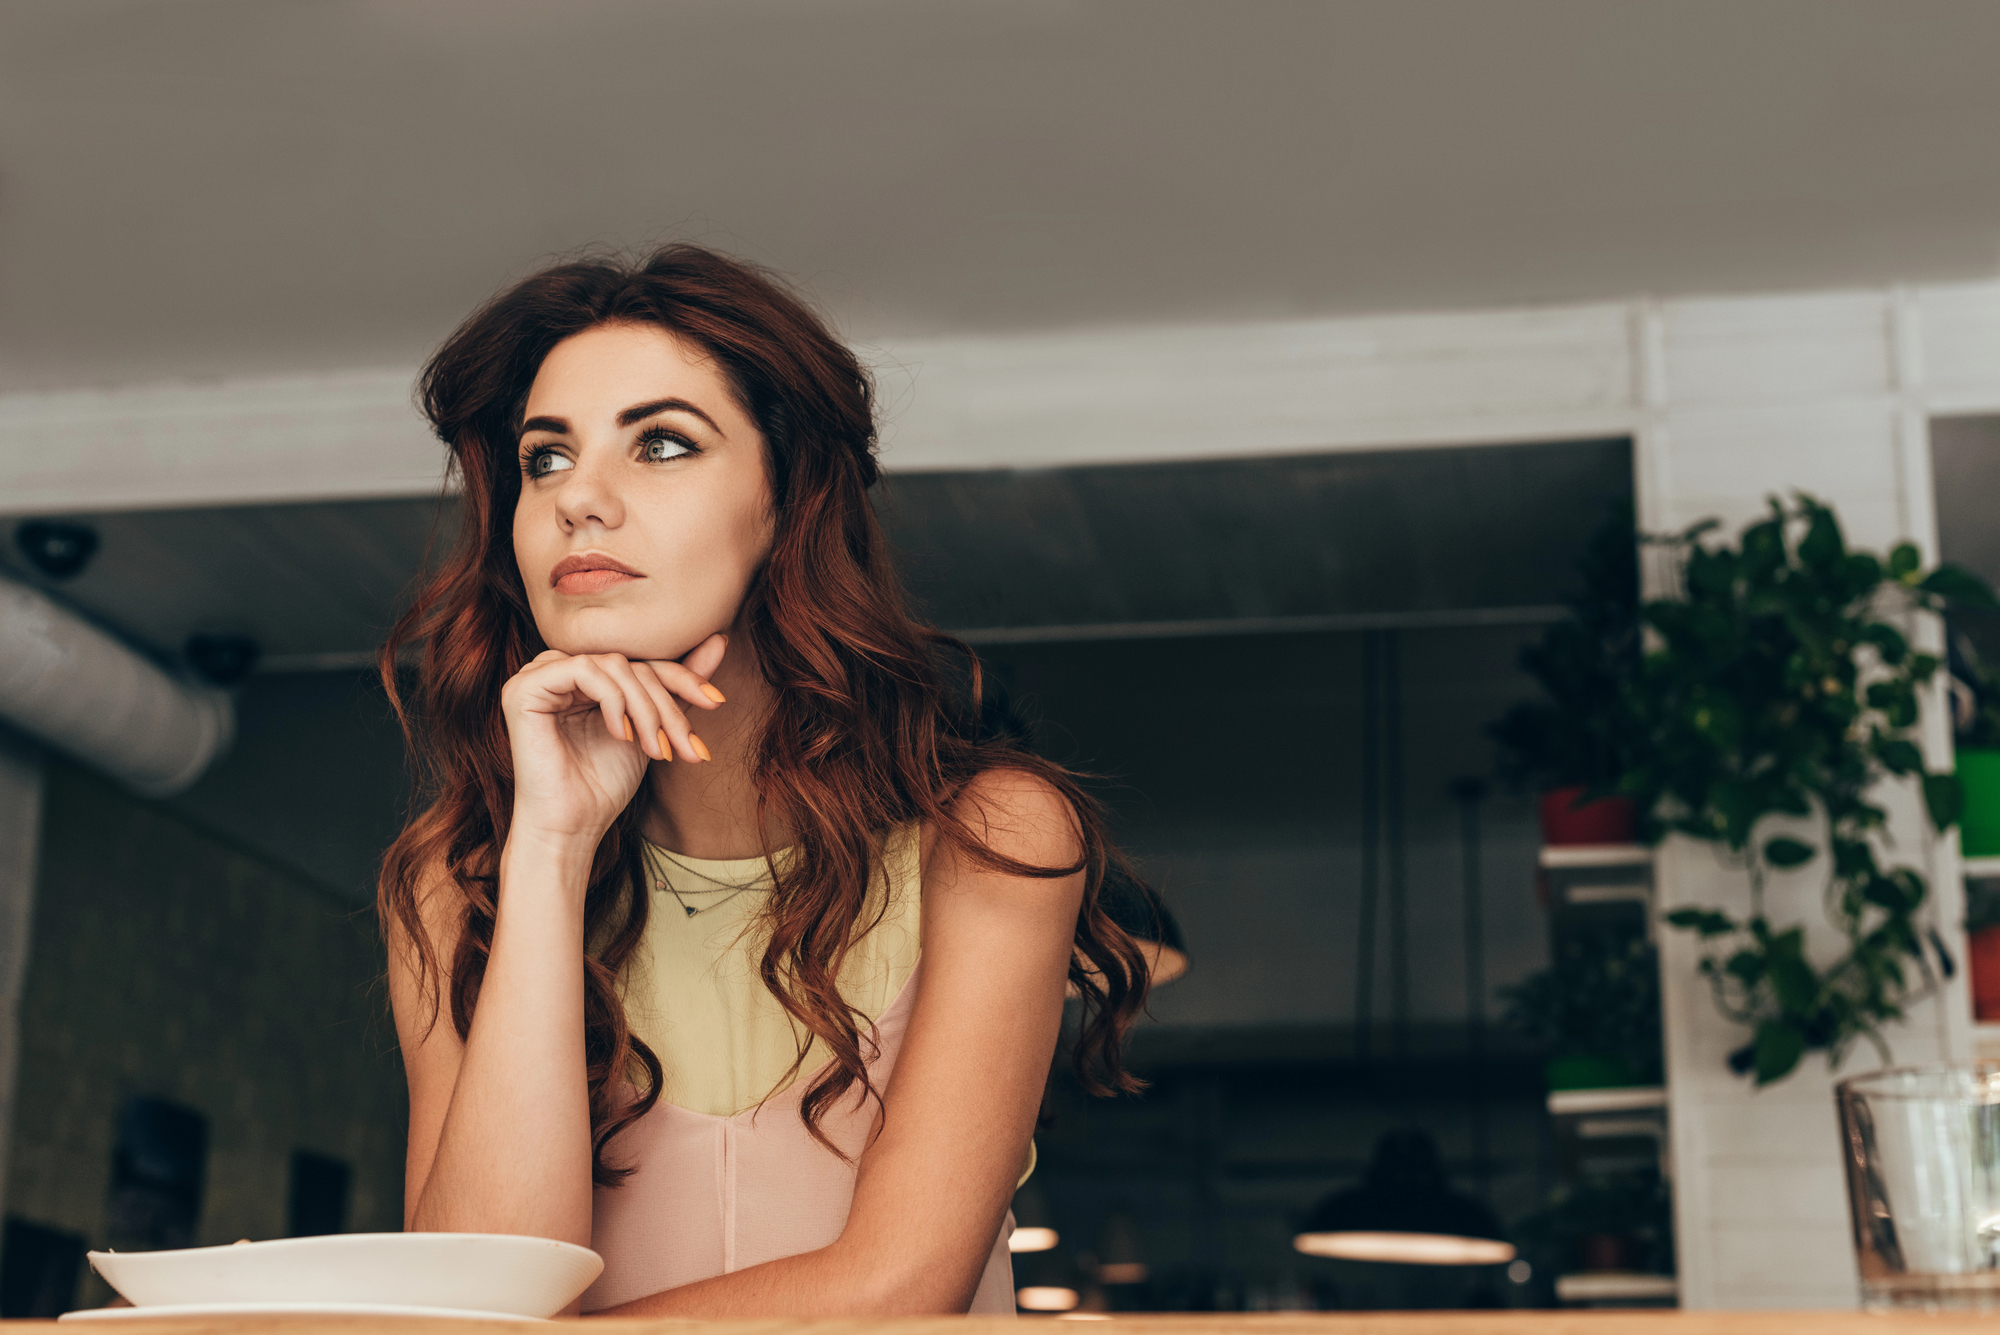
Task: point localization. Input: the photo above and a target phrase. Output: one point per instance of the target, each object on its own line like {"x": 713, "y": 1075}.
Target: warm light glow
{"x": 1407, "y": 1248}
{"x": 1031, "y": 1240}
{"x": 1084, "y": 1316}
{"x": 1042, "y": 1298}
{"x": 1164, "y": 963}
{"x": 1122, "y": 1272}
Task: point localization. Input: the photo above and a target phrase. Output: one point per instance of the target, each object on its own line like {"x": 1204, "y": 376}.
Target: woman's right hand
{"x": 582, "y": 728}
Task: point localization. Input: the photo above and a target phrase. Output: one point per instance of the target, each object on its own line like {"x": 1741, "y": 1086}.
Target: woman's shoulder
{"x": 433, "y": 906}
{"x": 1014, "y": 813}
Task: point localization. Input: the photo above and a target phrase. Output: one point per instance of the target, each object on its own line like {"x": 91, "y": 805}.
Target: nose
{"x": 590, "y": 494}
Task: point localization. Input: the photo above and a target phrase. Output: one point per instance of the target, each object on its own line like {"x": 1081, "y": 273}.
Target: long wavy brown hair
{"x": 875, "y": 720}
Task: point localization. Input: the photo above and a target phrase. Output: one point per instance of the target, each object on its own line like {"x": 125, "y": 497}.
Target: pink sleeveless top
{"x": 710, "y": 1195}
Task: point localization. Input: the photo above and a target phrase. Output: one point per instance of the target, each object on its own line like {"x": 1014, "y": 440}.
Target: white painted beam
{"x": 1125, "y": 395}
{"x": 1028, "y": 401}
{"x": 1213, "y": 391}
{"x": 1761, "y": 396}
{"x": 345, "y": 436}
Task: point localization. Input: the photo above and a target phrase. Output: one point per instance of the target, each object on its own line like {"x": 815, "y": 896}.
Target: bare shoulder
{"x": 1018, "y": 814}
{"x": 418, "y": 978}
{"x": 439, "y": 911}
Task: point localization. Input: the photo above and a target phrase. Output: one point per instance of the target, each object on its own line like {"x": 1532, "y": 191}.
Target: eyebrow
{"x": 638, "y": 412}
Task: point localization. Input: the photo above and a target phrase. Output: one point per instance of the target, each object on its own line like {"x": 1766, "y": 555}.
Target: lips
{"x": 590, "y": 572}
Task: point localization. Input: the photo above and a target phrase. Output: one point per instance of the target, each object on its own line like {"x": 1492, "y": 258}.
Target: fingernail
{"x": 666, "y": 747}
{"x": 714, "y": 694}
{"x": 628, "y": 728}
{"x": 699, "y": 749}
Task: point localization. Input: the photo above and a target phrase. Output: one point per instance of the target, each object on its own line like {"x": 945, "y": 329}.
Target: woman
{"x": 724, "y": 945}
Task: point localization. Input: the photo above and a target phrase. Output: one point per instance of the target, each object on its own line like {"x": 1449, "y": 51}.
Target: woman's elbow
{"x": 907, "y": 1281}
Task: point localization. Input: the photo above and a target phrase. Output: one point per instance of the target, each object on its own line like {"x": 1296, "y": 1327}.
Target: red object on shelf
{"x": 1609, "y": 820}
{"x": 1984, "y": 948}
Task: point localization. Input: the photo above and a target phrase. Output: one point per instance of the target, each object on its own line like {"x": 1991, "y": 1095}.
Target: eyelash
{"x": 650, "y": 436}
{"x": 656, "y": 433}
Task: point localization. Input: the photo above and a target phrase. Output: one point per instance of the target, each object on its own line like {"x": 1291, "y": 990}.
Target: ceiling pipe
{"x": 78, "y": 689}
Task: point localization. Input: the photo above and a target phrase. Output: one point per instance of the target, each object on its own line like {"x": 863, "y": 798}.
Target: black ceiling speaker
{"x": 56, "y": 549}
{"x": 221, "y": 660}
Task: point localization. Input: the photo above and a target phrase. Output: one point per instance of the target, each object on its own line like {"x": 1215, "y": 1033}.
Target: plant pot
{"x": 1579, "y": 1072}
{"x": 1608, "y": 820}
{"x": 1979, "y": 776}
{"x": 1984, "y": 949}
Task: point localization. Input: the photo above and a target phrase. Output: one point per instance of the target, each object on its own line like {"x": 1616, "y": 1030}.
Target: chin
{"x": 602, "y": 631}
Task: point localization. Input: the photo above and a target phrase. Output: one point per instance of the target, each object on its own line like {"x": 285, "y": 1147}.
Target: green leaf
{"x": 1779, "y": 1047}
{"x": 1786, "y": 852}
{"x": 1747, "y": 966}
{"x": 1900, "y": 708}
{"x": 1852, "y": 858}
{"x": 1822, "y": 545}
{"x": 1792, "y": 978}
{"x": 1903, "y": 560}
{"x": 1959, "y": 585}
{"x": 1888, "y": 642}
{"x": 1944, "y": 798}
{"x": 1859, "y": 574}
{"x": 1899, "y": 756}
{"x": 1883, "y": 892}
{"x": 1706, "y": 922}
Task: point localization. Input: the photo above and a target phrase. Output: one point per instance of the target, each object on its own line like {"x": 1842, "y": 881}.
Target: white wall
{"x": 1750, "y": 398}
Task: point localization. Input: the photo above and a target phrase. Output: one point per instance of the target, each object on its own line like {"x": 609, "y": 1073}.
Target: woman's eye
{"x": 543, "y": 462}
{"x": 659, "y": 445}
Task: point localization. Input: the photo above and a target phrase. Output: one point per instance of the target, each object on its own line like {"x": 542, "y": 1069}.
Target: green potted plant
{"x": 1780, "y": 686}
{"x": 1976, "y": 758}
{"x": 1596, "y": 1010}
{"x": 1571, "y": 747}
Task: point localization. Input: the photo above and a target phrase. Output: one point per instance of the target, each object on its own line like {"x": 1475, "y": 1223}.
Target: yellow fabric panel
{"x": 693, "y": 995}
{"x": 692, "y": 990}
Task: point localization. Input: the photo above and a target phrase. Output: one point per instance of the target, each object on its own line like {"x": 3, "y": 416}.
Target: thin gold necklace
{"x": 661, "y": 882}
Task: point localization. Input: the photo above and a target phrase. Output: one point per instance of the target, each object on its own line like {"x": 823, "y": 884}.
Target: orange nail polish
{"x": 628, "y": 728}
{"x": 714, "y": 694}
{"x": 666, "y": 747}
{"x": 699, "y": 748}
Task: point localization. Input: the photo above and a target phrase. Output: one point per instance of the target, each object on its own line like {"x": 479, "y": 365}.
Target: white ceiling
{"x": 209, "y": 187}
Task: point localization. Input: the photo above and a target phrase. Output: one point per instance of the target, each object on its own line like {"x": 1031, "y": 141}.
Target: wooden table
{"x": 1219, "y": 1323}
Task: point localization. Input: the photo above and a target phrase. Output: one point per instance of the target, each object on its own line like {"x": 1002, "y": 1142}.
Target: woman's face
{"x": 645, "y": 505}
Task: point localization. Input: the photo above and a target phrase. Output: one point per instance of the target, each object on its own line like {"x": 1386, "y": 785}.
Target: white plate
{"x": 280, "y": 1309}
{"x": 498, "y": 1274}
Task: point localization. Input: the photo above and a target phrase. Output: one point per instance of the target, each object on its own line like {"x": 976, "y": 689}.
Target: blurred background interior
{"x": 1256, "y": 378}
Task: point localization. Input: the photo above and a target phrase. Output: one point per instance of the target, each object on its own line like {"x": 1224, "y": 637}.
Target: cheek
{"x": 528, "y": 539}
{"x": 755, "y": 527}
{"x": 720, "y": 549}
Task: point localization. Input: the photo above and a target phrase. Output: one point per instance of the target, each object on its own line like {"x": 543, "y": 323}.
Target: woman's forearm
{"x": 514, "y": 1153}
{"x": 838, "y": 1280}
